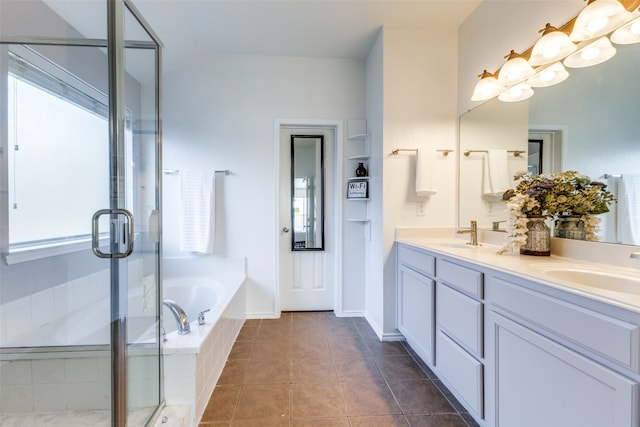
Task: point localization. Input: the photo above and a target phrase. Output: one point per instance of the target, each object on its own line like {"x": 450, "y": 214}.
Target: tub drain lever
{"x": 201, "y": 316}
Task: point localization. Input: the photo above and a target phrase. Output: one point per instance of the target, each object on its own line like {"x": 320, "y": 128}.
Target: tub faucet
{"x": 180, "y": 315}
{"x": 473, "y": 233}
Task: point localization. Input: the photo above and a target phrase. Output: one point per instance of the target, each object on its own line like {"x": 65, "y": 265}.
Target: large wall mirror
{"x": 307, "y": 192}
{"x": 589, "y": 123}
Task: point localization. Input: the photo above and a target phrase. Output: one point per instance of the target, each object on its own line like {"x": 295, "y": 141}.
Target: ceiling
{"x": 190, "y": 29}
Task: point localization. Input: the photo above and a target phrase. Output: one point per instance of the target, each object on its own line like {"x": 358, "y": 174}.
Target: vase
{"x": 361, "y": 170}
{"x": 570, "y": 227}
{"x": 538, "y": 237}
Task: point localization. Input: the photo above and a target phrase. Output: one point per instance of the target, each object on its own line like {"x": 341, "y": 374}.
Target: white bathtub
{"x": 193, "y": 362}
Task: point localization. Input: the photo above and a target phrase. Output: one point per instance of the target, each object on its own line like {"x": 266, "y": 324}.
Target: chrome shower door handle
{"x": 127, "y": 236}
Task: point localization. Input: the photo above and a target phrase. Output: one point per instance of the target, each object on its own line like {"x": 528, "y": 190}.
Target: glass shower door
{"x": 79, "y": 134}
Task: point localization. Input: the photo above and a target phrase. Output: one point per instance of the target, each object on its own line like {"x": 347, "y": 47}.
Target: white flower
{"x": 517, "y": 222}
{"x": 592, "y": 227}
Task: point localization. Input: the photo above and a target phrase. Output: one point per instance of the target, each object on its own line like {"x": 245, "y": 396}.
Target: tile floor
{"x": 316, "y": 369}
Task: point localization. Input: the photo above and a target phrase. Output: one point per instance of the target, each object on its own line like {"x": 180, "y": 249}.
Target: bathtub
{"x": 193, "y": 362}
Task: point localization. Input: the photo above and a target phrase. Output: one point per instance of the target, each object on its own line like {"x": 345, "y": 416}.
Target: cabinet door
{"x": 538, "y": 382}
{"x": 416, "y": 317}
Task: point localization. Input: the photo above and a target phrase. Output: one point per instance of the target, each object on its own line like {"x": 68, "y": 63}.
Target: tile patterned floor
{"x": 313, "y": 369}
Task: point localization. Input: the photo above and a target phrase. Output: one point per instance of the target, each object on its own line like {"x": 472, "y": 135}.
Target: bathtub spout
{"x": 180, "y": 315}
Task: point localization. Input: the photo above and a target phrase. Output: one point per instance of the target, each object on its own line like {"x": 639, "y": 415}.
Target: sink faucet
{"x": 180, "y": 316}
{"x": 473, "y": 233}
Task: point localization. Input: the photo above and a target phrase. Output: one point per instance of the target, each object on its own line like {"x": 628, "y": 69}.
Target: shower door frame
{"x": 116, "y": 45}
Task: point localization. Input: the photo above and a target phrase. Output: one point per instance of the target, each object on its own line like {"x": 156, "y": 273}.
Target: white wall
{"x": 219, "y": 113}
{"x": 410, "y": 105}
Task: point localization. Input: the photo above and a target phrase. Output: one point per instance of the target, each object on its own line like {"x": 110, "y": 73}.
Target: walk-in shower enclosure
{"x": 80, "y": 335}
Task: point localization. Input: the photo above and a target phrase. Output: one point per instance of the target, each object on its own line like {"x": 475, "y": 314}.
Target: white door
{"x": 305, "y": 276}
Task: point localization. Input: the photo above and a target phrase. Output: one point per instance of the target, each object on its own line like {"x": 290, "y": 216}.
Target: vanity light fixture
{"x": 515, "y": 70}
{"x": 549, "y": 76}
{"x": 486, "y": 88}
{"x": 552, "y": 46}
{"x": 592, "y": 54}
{"x": 627, "y": 34}
{"x": 519, "y": 92}
{"x": 599, "y": 18}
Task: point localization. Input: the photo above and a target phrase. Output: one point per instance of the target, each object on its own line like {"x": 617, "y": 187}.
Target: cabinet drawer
{"x": 464, "y": 279}
{"x": 461, "y": 372}
{"x": 611, "y": 338}
{"x": 460, "y": 317}
{"x": 417, "y": 260}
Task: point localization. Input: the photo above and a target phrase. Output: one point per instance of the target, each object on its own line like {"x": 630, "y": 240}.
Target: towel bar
{"x": 177, "y": 171}
{"x": 395, "y": 151}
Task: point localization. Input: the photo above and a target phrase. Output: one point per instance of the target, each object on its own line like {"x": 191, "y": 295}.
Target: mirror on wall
{"x": 587, "y": 123}
{"x": 307, "y": 192}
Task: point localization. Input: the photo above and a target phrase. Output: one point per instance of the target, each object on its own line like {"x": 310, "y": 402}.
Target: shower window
{"x": 58, "y": 157}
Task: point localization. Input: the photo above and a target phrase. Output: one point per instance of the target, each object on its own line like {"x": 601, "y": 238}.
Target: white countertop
{"x": 533, "y": 268}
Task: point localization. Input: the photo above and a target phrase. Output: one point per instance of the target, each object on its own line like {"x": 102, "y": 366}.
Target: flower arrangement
{"x": 567, "y": 193}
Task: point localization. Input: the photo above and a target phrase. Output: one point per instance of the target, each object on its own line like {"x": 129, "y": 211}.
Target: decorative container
{"x": 538, "y": 237}
{"x": 570, "y": 227}
{"x": 361, "y": 170}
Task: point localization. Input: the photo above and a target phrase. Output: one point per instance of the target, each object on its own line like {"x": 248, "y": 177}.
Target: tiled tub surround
{"x": 544, "y": 336}
{"x": 42, "y": 383}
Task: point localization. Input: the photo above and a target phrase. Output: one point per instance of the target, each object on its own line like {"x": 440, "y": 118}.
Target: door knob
{"x": 285, "y": 229}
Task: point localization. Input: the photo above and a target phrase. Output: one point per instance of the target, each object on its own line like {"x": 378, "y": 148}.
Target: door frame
{"x": 336, "y": 213}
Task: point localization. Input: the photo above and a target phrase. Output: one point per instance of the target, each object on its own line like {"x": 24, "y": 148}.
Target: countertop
{"x": 626, "y": 281}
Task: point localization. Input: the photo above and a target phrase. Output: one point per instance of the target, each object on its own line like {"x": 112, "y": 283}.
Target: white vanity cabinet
{"x": 416, "y": 299}
{"x": 515, "y": 349}
{"x": 551, "y": 362}
{"x": 459, "y": 333}
{"x": 440, "y": 313}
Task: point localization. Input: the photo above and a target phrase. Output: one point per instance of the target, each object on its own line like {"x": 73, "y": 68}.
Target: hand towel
{"x": 425, "y": 171}
{"x": 197, "y": 211}
{"x": 495, "y": 180}
{"x": 628, "y": 228}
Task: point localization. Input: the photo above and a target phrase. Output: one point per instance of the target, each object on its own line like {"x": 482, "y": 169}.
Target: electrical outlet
{"x": 420, "y": 208}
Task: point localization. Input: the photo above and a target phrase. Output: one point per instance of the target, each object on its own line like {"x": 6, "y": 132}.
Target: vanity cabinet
{"x": 515, "y": 351}
{"x": 555, "y": 363}
{"x": 459, "y": 336}
{"x": 416, "y": 301}
{"x": 440, "y": 313}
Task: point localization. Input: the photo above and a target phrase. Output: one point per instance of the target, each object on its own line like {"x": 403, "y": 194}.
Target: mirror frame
{"x": 319, "y": 198}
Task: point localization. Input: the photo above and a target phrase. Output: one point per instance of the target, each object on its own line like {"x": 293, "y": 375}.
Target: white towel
{"x": 425, "y": 171}
{"x": 495, "y": 180}
{"x": 628, "y": 229}
{"x": 197, "y": 211}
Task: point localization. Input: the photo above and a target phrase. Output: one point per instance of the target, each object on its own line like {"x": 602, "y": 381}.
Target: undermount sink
{"x": 610, "y": 281}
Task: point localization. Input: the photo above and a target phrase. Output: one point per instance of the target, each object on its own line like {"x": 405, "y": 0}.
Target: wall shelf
{"x": 358, "y": 220}
{"x": 355, "y": 178}
{"x": 360, "y": 157}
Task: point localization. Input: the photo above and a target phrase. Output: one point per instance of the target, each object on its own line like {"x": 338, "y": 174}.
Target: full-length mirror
{"x": 588, "y": 123}
{"x": 307, "y": 192}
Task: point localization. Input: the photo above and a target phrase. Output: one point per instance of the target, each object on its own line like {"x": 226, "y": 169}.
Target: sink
{"x": 609, "y": 281}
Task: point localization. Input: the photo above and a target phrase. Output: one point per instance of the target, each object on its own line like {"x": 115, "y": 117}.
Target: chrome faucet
{"x": 473, "y": 233}
{"x": 180, "y": 316}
